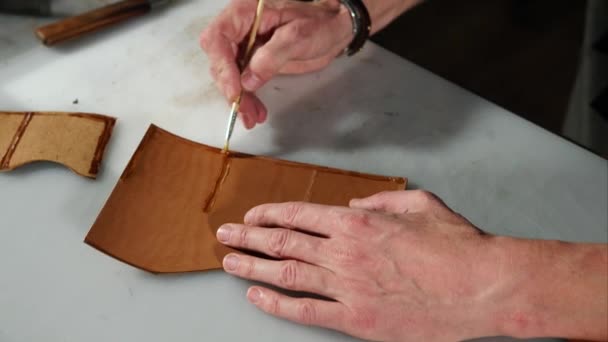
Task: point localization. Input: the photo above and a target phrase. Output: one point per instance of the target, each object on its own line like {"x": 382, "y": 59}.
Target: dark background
{"x": 520, "y": 54}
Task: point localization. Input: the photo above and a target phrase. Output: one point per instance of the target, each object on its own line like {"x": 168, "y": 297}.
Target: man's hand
{"x": 402, "y": 266}
{"x": 300, "y": 37}
{"x": 397, "y": 264}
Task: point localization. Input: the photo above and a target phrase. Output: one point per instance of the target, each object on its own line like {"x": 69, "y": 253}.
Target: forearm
{"x": 555, "y": 289}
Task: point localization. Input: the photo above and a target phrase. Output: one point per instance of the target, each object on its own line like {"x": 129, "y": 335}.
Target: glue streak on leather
{"x": 220, "y": 181}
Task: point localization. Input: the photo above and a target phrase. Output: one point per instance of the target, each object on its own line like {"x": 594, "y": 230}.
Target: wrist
{"x": 344, "y": 26}
{"x": 551, "y": 288}
{"x": 515, "y": 312}
{"x": 360, "y": 24}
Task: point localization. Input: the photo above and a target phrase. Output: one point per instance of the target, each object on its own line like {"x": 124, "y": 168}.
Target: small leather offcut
{"x": 75, "y": 140}
{"x": 174, "y": 194}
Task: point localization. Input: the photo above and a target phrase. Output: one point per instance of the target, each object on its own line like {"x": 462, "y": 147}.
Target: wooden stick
{"x": 92, "y": 21}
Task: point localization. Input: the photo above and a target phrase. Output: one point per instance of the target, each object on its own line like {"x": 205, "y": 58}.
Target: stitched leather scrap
{"x": 75, "y": 140}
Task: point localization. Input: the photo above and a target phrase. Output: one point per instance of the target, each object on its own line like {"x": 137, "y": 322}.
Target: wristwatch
{"x": 362, "y": 25}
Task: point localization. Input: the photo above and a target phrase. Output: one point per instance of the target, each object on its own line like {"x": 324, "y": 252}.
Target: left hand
{"x": 395, "y": 266}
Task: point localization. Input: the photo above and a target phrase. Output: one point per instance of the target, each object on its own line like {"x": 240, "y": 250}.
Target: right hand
{"x": 300, "y": 37}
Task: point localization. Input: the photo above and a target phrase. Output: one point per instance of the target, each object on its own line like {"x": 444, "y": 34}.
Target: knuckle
{"x": 291, "y": 213}
{"x": 213, "y": 70}
{"x": 221, "y": 68}
{"x": 289, "y": 274}
{"x": 426, "y": 198}
{"x": 243, "y": 237}
{"x": 205, "y": 39}
{"x": 241, "y": 9}
{"x": 354, "y": 219}
{"x": 292, "y": 32}
{"x": 306, "y": 312}
{"x": 382, "y": 194}
{"x": 223, "y": 25}
{"x": 296, "y": 31}
{"x": 264, "y": 63}
{"x": 216, "y": 70}
{"x": 273, "y": 305}
{"x": 249, "y": 268}
{"x": 278, "y": 241}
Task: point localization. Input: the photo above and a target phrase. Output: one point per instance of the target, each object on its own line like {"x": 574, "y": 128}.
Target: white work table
{"x": 374, "y": 113}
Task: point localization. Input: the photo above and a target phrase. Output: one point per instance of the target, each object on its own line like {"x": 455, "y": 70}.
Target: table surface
{"x": 374, "y": 113}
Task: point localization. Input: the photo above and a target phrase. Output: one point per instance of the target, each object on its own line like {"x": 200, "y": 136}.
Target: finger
{"x": 287, "y": 274}
{"x": 296, "y": 40}
{"x": 254, "y": 110}
{"x": 249, "y": 110}
{"x": 398, "y": 202}
{"x": 222, "y": 59}
{"x": 275, "y": 242}
{"x": 272, "y": 56}
{"x": 314, "y": 218}
{"x": 246, "y": 121}
{"x": 220, "y": 41}
{"x": 261, "y": 109}
{"x": 305, "y": 311}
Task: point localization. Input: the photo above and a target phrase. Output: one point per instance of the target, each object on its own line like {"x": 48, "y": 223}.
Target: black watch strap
{"x": 362, "y": 24}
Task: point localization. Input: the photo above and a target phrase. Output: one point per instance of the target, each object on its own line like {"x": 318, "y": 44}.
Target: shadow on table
{"x": 371, "y": 103}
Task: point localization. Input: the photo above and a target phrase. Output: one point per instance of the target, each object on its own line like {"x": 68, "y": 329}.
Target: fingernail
{"x": 254, "y": 296}
{"x": 263, "y": 116}
{"x": 246, "y": 120}
{"x": 223, "y": 234}
{"x": 250, "y": 81}
{"x": 231, "y": 262}
{"x": 250, "y": 123}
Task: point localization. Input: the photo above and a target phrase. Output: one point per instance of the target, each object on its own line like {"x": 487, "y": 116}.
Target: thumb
{"x": 398, "y": 202}
{"x": 287, "y": 42}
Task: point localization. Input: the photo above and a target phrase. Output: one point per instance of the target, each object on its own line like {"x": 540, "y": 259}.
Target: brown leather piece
{"x": 75, "y": 140}
{"x": 174, "y": 194}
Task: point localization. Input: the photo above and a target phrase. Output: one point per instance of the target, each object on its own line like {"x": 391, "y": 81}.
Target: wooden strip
{"x": 95, "y": 20}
